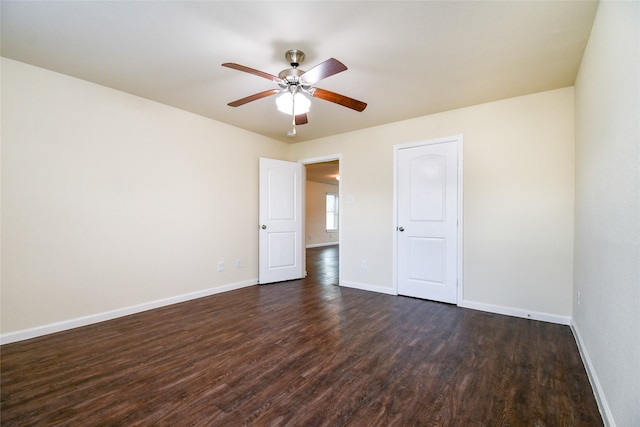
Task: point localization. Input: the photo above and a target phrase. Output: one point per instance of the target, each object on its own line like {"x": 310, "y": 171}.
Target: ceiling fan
{"x": 295, "y": 84}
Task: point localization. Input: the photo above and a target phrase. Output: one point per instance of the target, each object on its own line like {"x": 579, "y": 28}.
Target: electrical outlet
{"x": 363, "y": 264}
{"x": 578, "y": 295}
{"x": 221, "y": 266}
{"x": 239, "y": 263}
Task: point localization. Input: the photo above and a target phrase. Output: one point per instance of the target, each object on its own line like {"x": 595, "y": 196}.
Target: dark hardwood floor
{"x": 300, "y": 353}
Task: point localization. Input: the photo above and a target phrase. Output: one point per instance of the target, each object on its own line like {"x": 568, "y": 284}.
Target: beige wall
{"x": 110, "y": 200}
{"x": 315, "y": 214}
{"x": 607, "y": 245}
{"x": 518, "y": 200}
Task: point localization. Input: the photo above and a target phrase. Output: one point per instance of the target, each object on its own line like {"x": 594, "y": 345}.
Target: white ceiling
{"x": 405, "y": 59}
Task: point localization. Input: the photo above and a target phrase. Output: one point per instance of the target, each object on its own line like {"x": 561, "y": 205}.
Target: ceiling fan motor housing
{"x": 291, "y": 76}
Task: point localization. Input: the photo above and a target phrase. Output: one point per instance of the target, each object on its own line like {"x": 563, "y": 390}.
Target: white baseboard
{"x": 367, "y": 287}
{"x": 605, "y": 411}
{"x": 319, "y": 245}
{"x": 516, "y": 312}
{"x": 509, "y": 311}
{"x": 38, "y": 331}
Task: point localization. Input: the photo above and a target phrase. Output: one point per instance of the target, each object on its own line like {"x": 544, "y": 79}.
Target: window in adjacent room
{"x": 332, "y": 212}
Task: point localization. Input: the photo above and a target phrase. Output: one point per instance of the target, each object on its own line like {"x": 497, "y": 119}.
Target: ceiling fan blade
{"x": 323, "y": 70}
{"x": 301, "y": 119}
{"x": 252, "y": 71}
{"x": 253, "y": 97}
{"x": 345, "y": 101}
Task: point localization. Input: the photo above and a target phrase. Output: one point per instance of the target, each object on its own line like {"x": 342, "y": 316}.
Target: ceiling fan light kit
{"x": 295, "y": 84}
{"x": 288, "y": 103}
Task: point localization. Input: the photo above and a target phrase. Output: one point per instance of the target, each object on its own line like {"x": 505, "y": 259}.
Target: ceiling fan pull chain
{"x": 293, "y": 106}
{"x": 293, "y": 115}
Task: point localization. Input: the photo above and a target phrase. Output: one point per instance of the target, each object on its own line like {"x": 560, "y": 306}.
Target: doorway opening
{"x": 323, "y": 225}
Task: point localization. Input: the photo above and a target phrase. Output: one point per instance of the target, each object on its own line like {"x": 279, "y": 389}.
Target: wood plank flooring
{"x": 300, "y": 353}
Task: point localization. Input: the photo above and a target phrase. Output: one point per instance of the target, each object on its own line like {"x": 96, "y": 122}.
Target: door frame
{"x": 323, "y": 159}
{"x": 459, "y": 262}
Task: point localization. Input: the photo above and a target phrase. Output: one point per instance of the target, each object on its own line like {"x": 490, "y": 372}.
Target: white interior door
{"x": 427, "y": 216}
{"x": 280, "y": 242}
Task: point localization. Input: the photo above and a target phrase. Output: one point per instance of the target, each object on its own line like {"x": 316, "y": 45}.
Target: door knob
{"x": 400, "y": 228}
{"x": 264, "y": 227}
